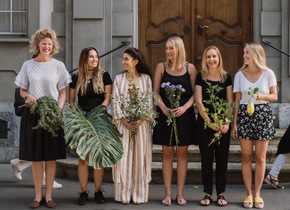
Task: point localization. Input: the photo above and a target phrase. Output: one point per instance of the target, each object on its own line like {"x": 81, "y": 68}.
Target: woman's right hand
{"x": 234, "y": 132}
{"x": 30, "y": 100}
{"x": 166, "y": 111}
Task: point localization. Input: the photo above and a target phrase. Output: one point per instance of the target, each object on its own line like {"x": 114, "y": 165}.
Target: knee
{"x": 168, "y": 155}
{"x": 260, "y": 159}
{"x": 247, "y": 158}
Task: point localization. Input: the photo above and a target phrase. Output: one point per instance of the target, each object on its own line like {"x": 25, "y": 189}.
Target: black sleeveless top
{"x": 186, "y": 123}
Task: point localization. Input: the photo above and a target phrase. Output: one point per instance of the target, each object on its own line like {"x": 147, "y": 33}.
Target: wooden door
{"x": 200, "y": 23}
{"x": 226, "y": 24}
{"x": 159, "y": 20}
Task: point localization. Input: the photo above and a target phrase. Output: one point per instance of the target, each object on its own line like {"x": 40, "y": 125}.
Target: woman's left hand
{"x": 179, "y": 111}
{"x": 259, "y": 96}
{"x": 224, "y": 129}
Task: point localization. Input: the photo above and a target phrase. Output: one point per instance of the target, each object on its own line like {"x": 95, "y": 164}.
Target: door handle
{"x": 200, "y": 29}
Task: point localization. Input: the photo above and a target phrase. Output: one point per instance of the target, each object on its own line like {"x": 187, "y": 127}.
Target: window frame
{"x": 11, "y": 12}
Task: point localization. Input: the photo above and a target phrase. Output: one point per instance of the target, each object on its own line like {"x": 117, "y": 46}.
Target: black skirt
{"x": 38, "y": 144}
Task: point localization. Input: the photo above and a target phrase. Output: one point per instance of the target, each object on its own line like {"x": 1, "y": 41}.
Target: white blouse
{"x": 43, "y": 78}
{"x": 266, "y": 80}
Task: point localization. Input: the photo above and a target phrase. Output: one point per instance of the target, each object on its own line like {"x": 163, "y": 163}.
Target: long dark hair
{"x": 141, "y": 66}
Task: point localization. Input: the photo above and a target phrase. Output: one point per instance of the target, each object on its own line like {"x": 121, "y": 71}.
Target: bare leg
{"x": 247, "y": 156}
{"x": 260, "y": 157}
{"x": 98, "y": 178}
{"x": 37, "y": 171}
{"x": 181, "y": 168}
{"x": 167, "y": 167}
{"x": 50, "y": 168}
{"x": 83, "y": 173}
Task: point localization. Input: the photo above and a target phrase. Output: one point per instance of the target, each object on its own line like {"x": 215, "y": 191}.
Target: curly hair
{"x": 41, "y": 34}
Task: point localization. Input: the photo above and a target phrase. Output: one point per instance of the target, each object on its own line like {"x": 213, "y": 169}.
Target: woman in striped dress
{"x": 132, "y": 174}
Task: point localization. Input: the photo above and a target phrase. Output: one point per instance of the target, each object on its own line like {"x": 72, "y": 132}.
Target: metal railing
{"x": 124, "y": 43}
{"x": 270, "y": 45}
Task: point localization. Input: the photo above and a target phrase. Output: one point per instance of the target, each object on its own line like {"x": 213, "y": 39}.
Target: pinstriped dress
{"x": 132, "y": 174}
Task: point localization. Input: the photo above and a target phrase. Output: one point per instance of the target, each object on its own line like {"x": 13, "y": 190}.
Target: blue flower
{"x": 183, "y": 90}
{"x": 178, "y": 86}
{"x": 163, "y": 85}
{"x": 172, "y": 86}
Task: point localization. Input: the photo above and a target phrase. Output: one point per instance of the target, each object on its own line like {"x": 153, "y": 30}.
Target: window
{"x": 13, "y": 16}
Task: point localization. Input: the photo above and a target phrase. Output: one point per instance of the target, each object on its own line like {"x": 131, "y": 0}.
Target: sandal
{"x": 180, "y": 200}
{"x": 259, "y": 203}
{"x": 166, "y": 200}
{"x": 221, "y": 201}
{"x": 248, "y": 202}
{"x": 205, "y": 199}
{"x": 273, "y": 182}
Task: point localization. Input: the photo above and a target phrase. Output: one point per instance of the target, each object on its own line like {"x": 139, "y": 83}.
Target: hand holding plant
{"x": 222, "y": 114}
{"x": 173, "y": 93}
{"x": 253, "y": 94}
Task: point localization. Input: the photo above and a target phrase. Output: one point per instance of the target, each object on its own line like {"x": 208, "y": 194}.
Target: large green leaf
{"x": 95, "y": 137}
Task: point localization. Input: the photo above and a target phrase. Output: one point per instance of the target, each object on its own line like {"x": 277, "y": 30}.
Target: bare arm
{"x": 237, "y": 104}
{"x": 199, "y": 104}
{"x": 72, "y": 97}
{"x": 107, "y": 100}
{"x": 156, "y": 88}
{"x": 269, "y": 97}
{"x": 61, "y": 98}
{"x": 230, "y": 98}
{"x": 30, "y": 100}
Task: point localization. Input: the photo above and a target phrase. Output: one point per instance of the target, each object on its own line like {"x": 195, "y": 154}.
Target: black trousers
{"x": 218, "y": 151}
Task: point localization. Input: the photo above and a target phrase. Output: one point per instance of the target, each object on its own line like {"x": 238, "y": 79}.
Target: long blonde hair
{"x": 257, "y": 52}
{"x": 41, "y": 34}
{"x": 204, "y": 70}
{"x": 179, "y": 52}
{"x": 83, "y": 69}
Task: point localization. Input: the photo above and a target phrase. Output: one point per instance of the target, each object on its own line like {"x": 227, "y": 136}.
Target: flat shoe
{"x": 221, "y": 198}
{"x": 259, "y": 203}
{"x": 35, "y": 204}
{"x": 206, "y": 197}
{"x": 180, "y": 200}
{"x": 50, "y": 204}
{"x": 166, "y": 200}
{"x": 248, "y": 202}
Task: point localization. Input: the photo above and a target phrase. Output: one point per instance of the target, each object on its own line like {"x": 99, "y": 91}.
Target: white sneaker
{"x": 17, "y": 171}
{"x": 55, "y": 186}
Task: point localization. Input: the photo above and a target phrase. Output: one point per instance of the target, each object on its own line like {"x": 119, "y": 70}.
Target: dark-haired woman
{"x": 93, "y": 86}
{"x": 132, "y": 174}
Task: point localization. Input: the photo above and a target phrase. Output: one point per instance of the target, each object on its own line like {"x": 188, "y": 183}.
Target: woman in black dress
{"x": 213, "y": 72}
{"x": 176, "y": 71}
{"x": 93, "y": 86}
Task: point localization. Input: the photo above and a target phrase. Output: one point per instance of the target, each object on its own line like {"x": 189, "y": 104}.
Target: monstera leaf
{"x": 95, "y": 137}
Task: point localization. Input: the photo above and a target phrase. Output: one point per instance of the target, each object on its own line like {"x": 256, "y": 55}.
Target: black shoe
{"x": 84, "y": 197}
{"x": 99, "y": 198}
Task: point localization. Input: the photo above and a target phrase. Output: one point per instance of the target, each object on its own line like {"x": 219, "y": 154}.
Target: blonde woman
{"x": 258, "y": 127}
{"x": 178, "y": 72}
{"x": 42, "y": 76}
{"x": 93, "y": 86}
{"x": 213, "y": 72}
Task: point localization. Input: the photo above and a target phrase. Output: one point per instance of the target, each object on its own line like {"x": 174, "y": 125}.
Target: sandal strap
{"x": 207, "y": 197}
{"x": 248, "y": 199}
{"x": 259, "y": 200}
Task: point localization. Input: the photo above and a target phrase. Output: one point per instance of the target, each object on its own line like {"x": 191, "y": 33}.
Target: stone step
{"x": 68, "y": 168}
{"x": 194, "y": 154}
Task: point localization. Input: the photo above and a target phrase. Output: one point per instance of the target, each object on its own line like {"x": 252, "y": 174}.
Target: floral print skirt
{"x": 258, "y": 126}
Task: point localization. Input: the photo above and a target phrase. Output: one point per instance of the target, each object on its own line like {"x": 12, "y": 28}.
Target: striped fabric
{"x": 132, "y": 174}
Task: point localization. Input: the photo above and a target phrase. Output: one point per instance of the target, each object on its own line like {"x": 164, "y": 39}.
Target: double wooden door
{"x": 226, "y": 24}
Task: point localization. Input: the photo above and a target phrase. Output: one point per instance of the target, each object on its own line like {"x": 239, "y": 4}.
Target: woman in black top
{"x": 212, "y": 72}
{"x": 93, "y": 86}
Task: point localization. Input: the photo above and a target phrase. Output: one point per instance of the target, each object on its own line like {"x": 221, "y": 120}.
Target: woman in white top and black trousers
{"x": 257, "y": 127}
{"x": 38, "y": 77}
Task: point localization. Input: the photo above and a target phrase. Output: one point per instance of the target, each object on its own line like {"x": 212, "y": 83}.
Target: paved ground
{"x": 16, "y": 194}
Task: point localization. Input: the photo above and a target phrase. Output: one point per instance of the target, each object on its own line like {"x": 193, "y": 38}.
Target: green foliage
{"x": 222, "y": 111}
{"x": 138, "y": 105}
{"x": 253, "y": 93}
{"x": 50, "y": 115}
{"x": 95, "y": 137}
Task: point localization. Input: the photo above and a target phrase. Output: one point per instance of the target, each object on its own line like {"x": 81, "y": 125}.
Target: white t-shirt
{"x": 241, "y": 84}
{"x": 43, "y": 78}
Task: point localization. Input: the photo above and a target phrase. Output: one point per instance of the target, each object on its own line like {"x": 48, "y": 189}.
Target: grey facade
{"x": 104, "y": 24}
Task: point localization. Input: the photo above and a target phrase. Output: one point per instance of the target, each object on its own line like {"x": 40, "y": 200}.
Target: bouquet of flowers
{"x": 173, "y": 93}
{"x": 222, "y": 111}
{"x": 137, "y": 105}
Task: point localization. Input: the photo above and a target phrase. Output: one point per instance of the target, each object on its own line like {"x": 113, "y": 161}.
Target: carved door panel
{"x": 159, "y": 20}
{"x": 200, "y": 23}
{"x": 226, "y": 24}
